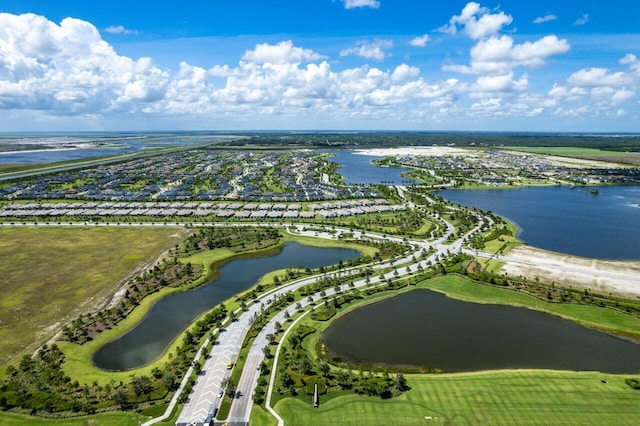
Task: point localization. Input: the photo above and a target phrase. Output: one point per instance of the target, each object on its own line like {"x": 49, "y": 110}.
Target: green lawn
{"x": 496, "y": 398}
{"x": 584, "y": 153}
{"x": 493, "y": 397}
{"x": 103, "y": 419}
{"x": 51, "y": 274}
{"x": 591, "y": 316}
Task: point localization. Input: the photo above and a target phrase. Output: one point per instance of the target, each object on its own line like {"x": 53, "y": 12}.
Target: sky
{"x": 508, "y": 65}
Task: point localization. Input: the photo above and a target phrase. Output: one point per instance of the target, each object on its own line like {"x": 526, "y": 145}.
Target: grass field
{"x": 103, "y": 419}
{"x": 585, "y": 153}
{"x": 50, "y": 275}
{"x": 496, "y": 398}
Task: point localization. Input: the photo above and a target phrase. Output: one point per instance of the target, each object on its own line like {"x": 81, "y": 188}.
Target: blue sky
{"x": 320, "y": 64}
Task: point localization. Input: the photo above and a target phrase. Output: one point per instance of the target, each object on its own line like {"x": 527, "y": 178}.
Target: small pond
{"x": 169, "y": 316}
{"x": 427, "y": 329}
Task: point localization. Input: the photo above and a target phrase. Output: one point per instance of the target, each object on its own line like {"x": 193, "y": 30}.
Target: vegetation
{"x": 71, "y": 271}
{"x": 497, "y": 398}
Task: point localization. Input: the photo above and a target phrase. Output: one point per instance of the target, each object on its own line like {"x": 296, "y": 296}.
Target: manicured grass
{"x": 583, "y": 153}
{"x": 52, "y": 274}
{"x": 260, "y": 416}
{"x": 496, "y": 398}
{"x": 321, "y": 242}
{"x": 592, "y": 316}
{"x": 103, "y": 419}
{"x": 568, "y": 151}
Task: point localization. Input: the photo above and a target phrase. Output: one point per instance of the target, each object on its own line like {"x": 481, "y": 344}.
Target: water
{"x": 428, "y": 329}
{"x": 359, "y": 169}
{"x": 49, "y": 148}
{"x": 564, "y": 220}
{"x": 169, "y": 316}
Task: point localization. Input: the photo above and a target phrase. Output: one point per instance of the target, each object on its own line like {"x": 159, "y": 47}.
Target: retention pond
{"x": 169, "y": 316}
{"x": 422, "y": 328}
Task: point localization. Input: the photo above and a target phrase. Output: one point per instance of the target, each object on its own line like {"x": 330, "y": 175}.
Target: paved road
{"x": 241, "y": 408}
{"x": 203, "y": 400}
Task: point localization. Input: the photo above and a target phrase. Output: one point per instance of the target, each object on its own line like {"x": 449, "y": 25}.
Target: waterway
{"x": 359, "y": 169}
{"x": 38, "y": 148}
{"x": 427, "y": 329}
{"x": 564, "y": 220}
{"x": 169, "y": 316}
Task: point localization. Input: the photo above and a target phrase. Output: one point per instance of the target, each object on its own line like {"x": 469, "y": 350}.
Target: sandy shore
{"x": 425, "y": 151}
{"x": 602, "y": 276}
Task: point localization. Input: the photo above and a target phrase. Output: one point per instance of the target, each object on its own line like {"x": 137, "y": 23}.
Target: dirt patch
{"x": 602, "y": 276}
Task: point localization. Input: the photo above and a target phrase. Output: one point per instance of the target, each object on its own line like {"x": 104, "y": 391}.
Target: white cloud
{"x": 477, "y": 21}
{"x": 283, "y": 52}
{"x": 499, "y": 55}
{"x": 591, "y": 77}
{"x": 66, "y": 71}
{"x": 546, "y": 18}
{"x": 500, "y": 83}
{"x": 404, "y": 72}
{"x": 420, "y": 41}
{"x": 119, "y": 29}
{"x": 351, "y": 4}
{"x": 582, "y": 20}
{"x": 370, "y": 50}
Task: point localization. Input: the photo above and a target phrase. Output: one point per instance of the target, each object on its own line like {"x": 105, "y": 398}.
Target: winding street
{"x": 203, "y": 401}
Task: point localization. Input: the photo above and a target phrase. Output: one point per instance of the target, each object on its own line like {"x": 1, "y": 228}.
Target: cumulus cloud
{"x": 119, "y": 29}
{"x": 67, "y": 70}
{"x": 599, "y": 77}
{"x": 582, "y": 20}
{"x": 546, "y": 18}
{"x": 499, "y": 55}
{"x": 420, "y": 41}
{"x": 477, "y": 22}
{"x": 352, "y": 4}
{"x": 404, "y": 72}
{"x": 370, "y": 50}
{"x": 283, "y": 52}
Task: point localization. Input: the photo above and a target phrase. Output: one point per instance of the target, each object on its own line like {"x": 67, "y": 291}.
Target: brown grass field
{"x": 51, "y": 275}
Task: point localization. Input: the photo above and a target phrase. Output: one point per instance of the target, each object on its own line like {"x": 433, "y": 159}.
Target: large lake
{"x": 174, "y": 313}
{"x": 564, "y": 220}
{"x": 359, "y": 169}
{"x": 428, "y": 329}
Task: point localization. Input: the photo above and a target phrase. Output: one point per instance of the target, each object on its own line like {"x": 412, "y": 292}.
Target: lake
{"x": 359, "y": 169}
{"x": 172, "y": 314}
{"x": 564, "y": 220}
{"x": 427, "y": 329}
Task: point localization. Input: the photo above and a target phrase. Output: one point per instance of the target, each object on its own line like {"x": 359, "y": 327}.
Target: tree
{"x": 168, "y": 380}
{"x": 141, "y": 385}
{"x": 120, "y": 397}
{"x": 401, "y": 382}
{"x": 230, "y": 386}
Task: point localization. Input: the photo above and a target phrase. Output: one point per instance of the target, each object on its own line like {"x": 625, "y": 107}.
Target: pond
{"x": 169, "y": 316}
{"x": 422, "y": 328}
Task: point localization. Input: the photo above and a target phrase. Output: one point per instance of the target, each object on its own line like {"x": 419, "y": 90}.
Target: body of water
{"x": 564, "y": 220}
{"x": 50, "y": 148}
{"x": 359, "y": 169}
{"x": 428, "y": 329}
{"x": 169, "y": 316}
